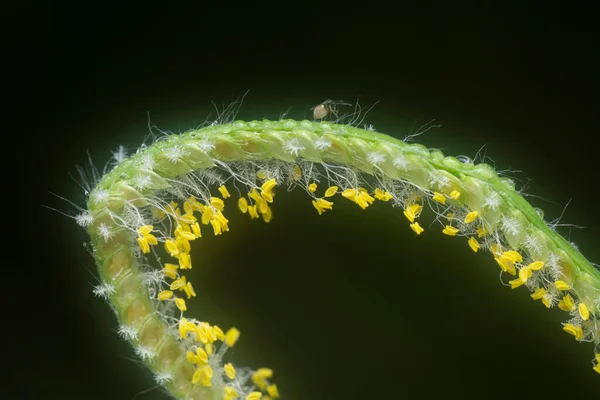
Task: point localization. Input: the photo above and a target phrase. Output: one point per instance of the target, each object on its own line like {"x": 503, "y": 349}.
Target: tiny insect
{"x": 320, "y": 111}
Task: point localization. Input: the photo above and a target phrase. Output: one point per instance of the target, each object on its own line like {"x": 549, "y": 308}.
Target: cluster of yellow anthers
{"x": 187, "y": 229}
{"x": 510, "y": 261}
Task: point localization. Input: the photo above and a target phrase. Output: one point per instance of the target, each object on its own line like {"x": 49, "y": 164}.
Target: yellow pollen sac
{"x": 472, "y": 216}
{"x": 189, "y": 290}
{"x": 171, "y": 248}
{"x": 185, "y": 326}
{"x": 538, "y": 294}
{"x": 561, "y": 285}
{"x": 536, "y": 265}
{"x": 183, "y": 245}
{"x": 331, "y": 191}
{"x": 180, "y": 303}
{"x": 185, "y": 235}
{"x": 170, "y": 270}
{"x": 597, "y": 367}
{"x": 574, "y": 330}
{"x": 207, "y": 215}
{"x": 416, "y": 228}
{"x": 566, "y": 303}
{"x": 412, "y": 212}
{"x": 455, "y": 194}
{"x": 224, "y": 192}
{"x": 312, "y": 187}
{"x": 253, "y": 212}
{"x": 583, "y": 311}
{"x": 506, "y": 266}
{"x": 165, "y": 295}
{"x": 515, "y": 283}
{"x": 218, "y": 333}
{"x": 272, "y": 391}
{"x": 178, "y": 284}
{"x": 197, "y": 376}
{"x": 196, "y": 230}
{"x": 525, "y": 273}
{"x": 232, "y": 336}
{"x": 450, "y": 230}
{"x": 481, "y": 232}
{"x": 243, "y": 205}
{"x": 269, "y": 185}
{"x": 209, "y": 348}
{"x": 268, "y": 196}
{"x": 144, "y": 246}
{"x": 185, "y": 261}
{"x": 145, "y": 229}
{"x": 268, "y": 216}
{"x": 474, "y": 244}
{"x": 191, "y": 357}
{"x": 546, "y": 301}
{"x": 229, "y": 371}
{"x": 381, "y": 195}
{"x": 438, "y": 197}
{"x": 201, "y": 355}
{"x": 217, "y": 203}
{"x": 322, "y": 205}
{"x": 512, "y": 256}
{"x": 254, "y": 396}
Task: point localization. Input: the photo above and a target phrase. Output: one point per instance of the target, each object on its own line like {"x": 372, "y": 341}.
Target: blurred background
{"x": 349, "y": 305}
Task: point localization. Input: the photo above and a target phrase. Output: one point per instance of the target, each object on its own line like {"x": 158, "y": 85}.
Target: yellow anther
{"x": 184, "y": 234}
{"x": 322, "y": 205}
{"x": 416, "y": 228}
{"x": 230, "y": 393}
{"x": 331, "y": 191}
{"x": 597, "y": 367}
{"x": 259, "y": 378}
{"x": 538, "y": 294}
{"x": 450, "y": 230}
{"x": 158, "y": 213}
{"x": 574, "y": 330}
{"x": 253, "y": 211}
{"x": 189, "y": 290}
{"x": 207, "y": 215}
{"x": 207, "y": 374}
{"x": 296, "y": 173}
{"x": 566, "y": 303}
{"x": 268, "y": 196}
{"x": 381, "y": 195}
{"x": 360, "y": 197}
{"x": 515, "y": 283}
{"x": 180, "y": 303}
{"x": 312, "y": 187}
{"x": 196, "y": 230}
{"x": 185, "y": 261}
{"x": 170, "y": 270}
{"x": 512, "y": 256}
{"x": 229, "y": 370}
{"x": 263, "y": 207}
{"x": 269, "y": 185}
{"x": 178, "y": 284}
{"x": 165, "y": 295}
{"x": 525, "y": 273}
{"x": 219, "y": 333}
{"x": 201, "y": 355}
{"x": 232, "y": 336}
{"x": 171, "y": 248}
{"x": 144, "y": 246}
{"x": 561, "y": 285}
{"x": 449, "y": 216}
{"x": 208, "y": 347}
{"x": 272, "y": 391}
{"x": 474, "y": 244}
{"x": 145, "y": 229}
{"x": 546, "y": 301}
{"x": 455, "y": 194}
{"x": 438, "y": 197}
{"x": 191, "y": 357}
{"x": 536, "y": 265}
{"x": 224, "y": 192}
{"x": 197, "y": 376}
{"x": 481, "y": 232}
{"x": 583, "y": 311}
{"x": 217, "y": 203}
{"x": 412, "y": 212}
{"x": 254, "y": 396}
{"x": 183, "y": 245}
{"x": 268, "y": 216}
{"x": 243, "y": 205}
{"x": 185, "y": 327}
{"x": 506, "y": 266}
{"x": 472, "y": 216}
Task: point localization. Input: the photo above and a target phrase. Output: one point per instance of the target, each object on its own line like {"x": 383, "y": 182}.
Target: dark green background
{"x": 349, "y": 305}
